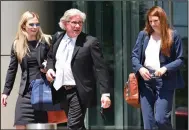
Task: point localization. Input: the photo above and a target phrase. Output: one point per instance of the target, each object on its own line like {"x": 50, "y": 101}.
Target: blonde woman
{"x": 30, "y": 51}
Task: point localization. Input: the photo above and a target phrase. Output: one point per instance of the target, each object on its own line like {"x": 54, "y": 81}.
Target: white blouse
{"x": 152, "y": 54}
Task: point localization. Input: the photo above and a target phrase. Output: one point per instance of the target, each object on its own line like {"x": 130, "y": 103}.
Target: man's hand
{"x": 160, "y": 71}
{"x": 144, "y": 73}
{"x": 4, "y": 100}
{"x": 50, "y": 75}
{"x": 43, "y": 70}
{"x": 105, "y": 101}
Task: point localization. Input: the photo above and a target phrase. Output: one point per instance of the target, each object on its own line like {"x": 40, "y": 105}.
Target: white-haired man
{"x": 74, "y": 60}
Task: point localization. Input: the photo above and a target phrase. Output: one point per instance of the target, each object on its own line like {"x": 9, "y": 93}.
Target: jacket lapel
{"x": 24, "y": 62}
{"x": 38, "y": 53}
{"x": 76, "y": 48}
{"x": 57, "y": 43}
{"x": 146, "y": 40}
{"x": 79, "y": 42}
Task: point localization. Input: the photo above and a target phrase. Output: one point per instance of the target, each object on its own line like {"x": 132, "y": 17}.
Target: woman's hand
{"x": 4, "y": 100}
{"x": 160, "y": 71}
{"x": 144, "y": 73}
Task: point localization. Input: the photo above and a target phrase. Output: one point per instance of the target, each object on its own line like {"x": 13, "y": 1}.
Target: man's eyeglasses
{"x": 74, "y": 23}
{"x": 34, "y": 24}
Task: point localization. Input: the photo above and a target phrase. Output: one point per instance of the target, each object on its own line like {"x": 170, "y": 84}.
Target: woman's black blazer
{"x": 42, "y": 51}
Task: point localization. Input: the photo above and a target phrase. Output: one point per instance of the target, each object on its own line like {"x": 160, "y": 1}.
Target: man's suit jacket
{"x": 172, "y": 79}
{"x": 42, "y": 51}
{"x": 87, "y": 63}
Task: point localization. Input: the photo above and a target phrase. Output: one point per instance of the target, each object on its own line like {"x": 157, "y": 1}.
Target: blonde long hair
{"x": 20, "y": 43}
{"x": 166, "y": 31}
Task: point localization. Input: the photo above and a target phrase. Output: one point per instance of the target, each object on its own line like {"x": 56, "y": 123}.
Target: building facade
{"x": 116, "y": 24}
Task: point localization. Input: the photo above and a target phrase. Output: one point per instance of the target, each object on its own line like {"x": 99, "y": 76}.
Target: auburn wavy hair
{"x": 166, "y": 31}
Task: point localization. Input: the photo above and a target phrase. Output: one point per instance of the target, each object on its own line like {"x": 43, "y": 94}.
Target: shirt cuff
{"x": 106, "y": 94}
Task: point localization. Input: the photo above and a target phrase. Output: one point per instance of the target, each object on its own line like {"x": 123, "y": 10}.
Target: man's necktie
{"x": 67, "y": 49}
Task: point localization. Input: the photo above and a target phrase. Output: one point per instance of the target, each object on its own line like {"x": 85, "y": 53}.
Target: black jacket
{"x": 42, "y": 51}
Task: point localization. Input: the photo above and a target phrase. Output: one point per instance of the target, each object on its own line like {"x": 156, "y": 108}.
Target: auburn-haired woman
{"x": 157, "y": 57}
{"x": 29, "y": 49}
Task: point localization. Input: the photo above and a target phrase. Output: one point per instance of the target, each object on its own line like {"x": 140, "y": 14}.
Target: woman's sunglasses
{"x": 34, "y": 24}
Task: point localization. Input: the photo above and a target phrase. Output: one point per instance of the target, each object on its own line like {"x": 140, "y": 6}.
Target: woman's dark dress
{"x": 24, "y": 112}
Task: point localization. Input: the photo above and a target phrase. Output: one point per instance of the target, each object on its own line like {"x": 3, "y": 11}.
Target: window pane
{"x": 180, "y": 15}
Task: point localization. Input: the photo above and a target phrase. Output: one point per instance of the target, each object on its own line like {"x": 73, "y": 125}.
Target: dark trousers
{"x": 74, "y": 110}
{"x": 156, "y": 105}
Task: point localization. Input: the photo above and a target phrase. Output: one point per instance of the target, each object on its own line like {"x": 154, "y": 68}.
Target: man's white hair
{"x": 69, "y": 13}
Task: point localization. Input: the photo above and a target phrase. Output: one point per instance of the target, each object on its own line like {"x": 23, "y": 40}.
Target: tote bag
{"x": 41, "y": 96}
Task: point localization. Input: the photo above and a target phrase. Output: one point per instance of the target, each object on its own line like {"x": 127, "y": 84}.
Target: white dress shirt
{"x": 64, "y": 75}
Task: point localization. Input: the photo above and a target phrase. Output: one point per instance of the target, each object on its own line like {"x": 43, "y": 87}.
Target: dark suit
{"x": 87, "y": 58}
{"x": 158, "y": 92}
{"x": 42, "y": 51}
